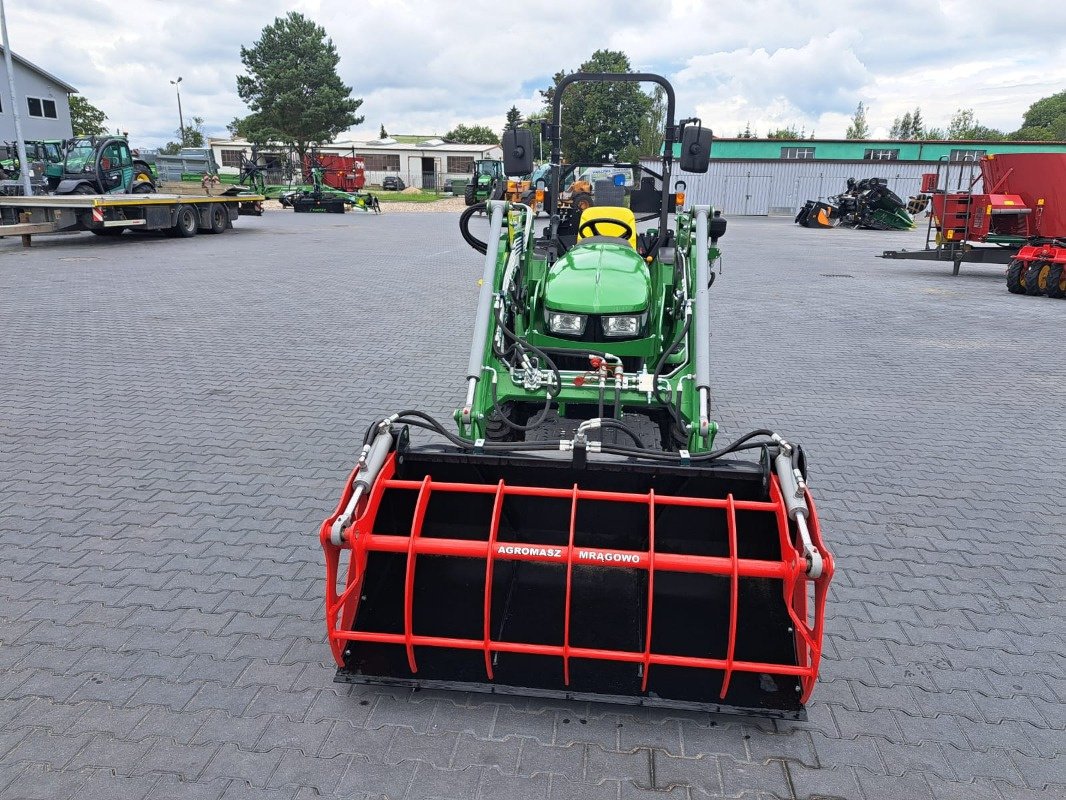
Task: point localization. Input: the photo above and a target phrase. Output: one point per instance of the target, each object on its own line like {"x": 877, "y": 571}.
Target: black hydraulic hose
{"x": 607, "y": 422}
{"x": 673, "y": 412}
{"x": 419, "y": 419}
{"x": 538, "y": 420}
{"x": 464, "y": 228}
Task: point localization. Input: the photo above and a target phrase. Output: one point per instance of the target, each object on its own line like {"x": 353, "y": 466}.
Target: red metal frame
{"x": 360, "y": 539}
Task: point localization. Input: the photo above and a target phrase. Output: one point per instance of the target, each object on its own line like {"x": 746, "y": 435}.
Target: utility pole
{"x": 20, "y": 143}
{"x": 181, "y": 120}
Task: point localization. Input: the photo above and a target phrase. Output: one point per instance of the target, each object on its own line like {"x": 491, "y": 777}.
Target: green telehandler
{"x": 99, "y": 165}
{"x": 598, "y": 565}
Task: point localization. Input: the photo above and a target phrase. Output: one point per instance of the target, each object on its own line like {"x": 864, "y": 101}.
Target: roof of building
{"x": 42, "y": 72}
{"x": 382, "y": 144}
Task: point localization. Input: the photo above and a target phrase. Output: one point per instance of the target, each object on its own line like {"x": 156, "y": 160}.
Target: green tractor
{"x": 549, "y": 546}
{"x": 486, "y": 181}
{"x": 99, "y": 165}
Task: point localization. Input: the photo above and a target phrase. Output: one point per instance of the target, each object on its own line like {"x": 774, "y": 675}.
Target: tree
{"x": 601, "y": 119}
{"x": 292, "y": 85}
{"x": 917, "y": 124}
{"x": 514, "y": 117}
{"x": 472, "y": 134}
{"x": 1044, "y": 121}
{"x": 902, "y": 127}
{"x": 252, "y": 129}
{"x": 788, "y": 132}
{"x": 858, "y": 129}
{"x": 85, "y": 118}
{"x": 964, "y": 125}
{"x": 650, "y": 133}
{"x": 191, "y": 136}
{"x": 747, "y": 133}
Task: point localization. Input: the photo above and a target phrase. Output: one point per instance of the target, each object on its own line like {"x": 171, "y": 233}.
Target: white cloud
{"x": 424, "y": 66}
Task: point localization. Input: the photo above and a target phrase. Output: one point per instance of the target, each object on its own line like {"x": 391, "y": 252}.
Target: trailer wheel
{"x": 219, "y": 218}
{"x": 1016, "y": 276}
{"x": 1036, "y": 278}
{"x": 186, "y": 224}
{"x": 1056, "y": 281}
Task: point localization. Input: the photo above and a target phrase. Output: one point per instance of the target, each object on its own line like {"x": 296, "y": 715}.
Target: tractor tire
{"x": 1016, "y": 276}
{"x": 497, "y": 431}
{"x": 84, "y": 189}
{"x": 142, "y": 172}
{"x": 581, "y": 201}
{"x": 219, "y": 218}
{"x": 143, "y": 188}
{"x": 1038, "y": 270}
{"x": 1056, "y": 281}
{"x": 186, "y": 225}
{"x": 470, "y": 194}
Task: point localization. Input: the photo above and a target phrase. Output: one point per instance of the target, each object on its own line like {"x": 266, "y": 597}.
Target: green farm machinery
{"x": 486, "y": 181}
{"x": 609, "y": 563}
{"x": 99, "y": 165}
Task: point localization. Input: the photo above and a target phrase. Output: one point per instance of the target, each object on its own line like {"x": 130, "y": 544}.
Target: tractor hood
{"x": 599, "y": 278}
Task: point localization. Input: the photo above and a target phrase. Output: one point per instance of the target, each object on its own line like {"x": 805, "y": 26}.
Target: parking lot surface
{"x": 177, "y": 417}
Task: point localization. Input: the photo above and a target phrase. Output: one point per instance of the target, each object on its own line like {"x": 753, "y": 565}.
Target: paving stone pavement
{"x": 176, "y": 418}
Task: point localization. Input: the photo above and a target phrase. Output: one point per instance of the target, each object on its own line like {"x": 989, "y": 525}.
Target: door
{"x": 757, "y": 196}
{"x": 429, "y": 174}
{"x": 115, "y": 168}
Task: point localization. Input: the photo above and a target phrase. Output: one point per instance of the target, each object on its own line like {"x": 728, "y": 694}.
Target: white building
{"x": 43, "y": 102}
{"x": 426, "y": 164}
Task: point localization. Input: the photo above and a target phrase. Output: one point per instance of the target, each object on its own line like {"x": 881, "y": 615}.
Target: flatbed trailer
{"x": 111, "y": 214}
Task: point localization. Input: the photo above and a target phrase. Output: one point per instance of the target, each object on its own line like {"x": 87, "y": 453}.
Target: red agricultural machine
{"x": 344, "y": 173}
{"x": 1018, "y": 218}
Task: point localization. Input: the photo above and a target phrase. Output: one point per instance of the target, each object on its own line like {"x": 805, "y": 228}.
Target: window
{"x": 42, "y": 108}
{"x": 966, "y": 155}
{"x": 797, "y": 152}
{"x": 232, "y": 158}
{"x": 381, "y": 162}
{"x": 872, "y": 154}
{"x": 460, "y": 163}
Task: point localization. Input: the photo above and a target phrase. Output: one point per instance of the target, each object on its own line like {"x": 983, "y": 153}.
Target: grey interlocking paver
{"x": 176, "y": 418}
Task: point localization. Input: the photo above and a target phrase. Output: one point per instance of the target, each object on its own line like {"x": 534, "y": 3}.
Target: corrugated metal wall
{"x": 758, "y": 188}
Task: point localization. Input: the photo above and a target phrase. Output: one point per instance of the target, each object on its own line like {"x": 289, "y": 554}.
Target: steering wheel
{"x": 627, "y": 229}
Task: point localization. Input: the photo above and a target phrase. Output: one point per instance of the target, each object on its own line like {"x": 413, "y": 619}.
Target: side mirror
{"x": 695, "y": 149}
{"x": 517, "y": 151}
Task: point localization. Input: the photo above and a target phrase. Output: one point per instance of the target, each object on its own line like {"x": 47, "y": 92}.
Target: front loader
{"x": 599, "y": 565}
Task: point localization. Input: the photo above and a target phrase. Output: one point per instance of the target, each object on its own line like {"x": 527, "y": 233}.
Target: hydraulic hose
{"x": 419, "y": 419}
{"x": 464, "y": 228}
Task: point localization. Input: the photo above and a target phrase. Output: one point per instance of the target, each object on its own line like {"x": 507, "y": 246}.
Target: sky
{"x": 421, "y": 67}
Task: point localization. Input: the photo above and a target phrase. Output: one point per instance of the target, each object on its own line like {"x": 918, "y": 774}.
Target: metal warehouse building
{"x": 758, "y": 177}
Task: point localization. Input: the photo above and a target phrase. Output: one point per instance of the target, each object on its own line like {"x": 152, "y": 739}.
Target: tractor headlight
{"x": 627, "y": 325}
{"x": 566, "y": 324}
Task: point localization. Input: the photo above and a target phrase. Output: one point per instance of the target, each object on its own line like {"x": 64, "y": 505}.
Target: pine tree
{"x": 917, "y": 124}
{"x": 383, "y": 134}
{"x": 858, "y": 129}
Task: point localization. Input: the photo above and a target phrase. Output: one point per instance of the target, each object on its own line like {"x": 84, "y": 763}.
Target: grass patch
{"x": 400, "y": 197}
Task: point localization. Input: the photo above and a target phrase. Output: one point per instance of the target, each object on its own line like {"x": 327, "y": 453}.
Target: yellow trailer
{"x": 111, "y": 214}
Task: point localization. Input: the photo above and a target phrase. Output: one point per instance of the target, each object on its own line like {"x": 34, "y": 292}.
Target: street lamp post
{"x": 181, "y": 119}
